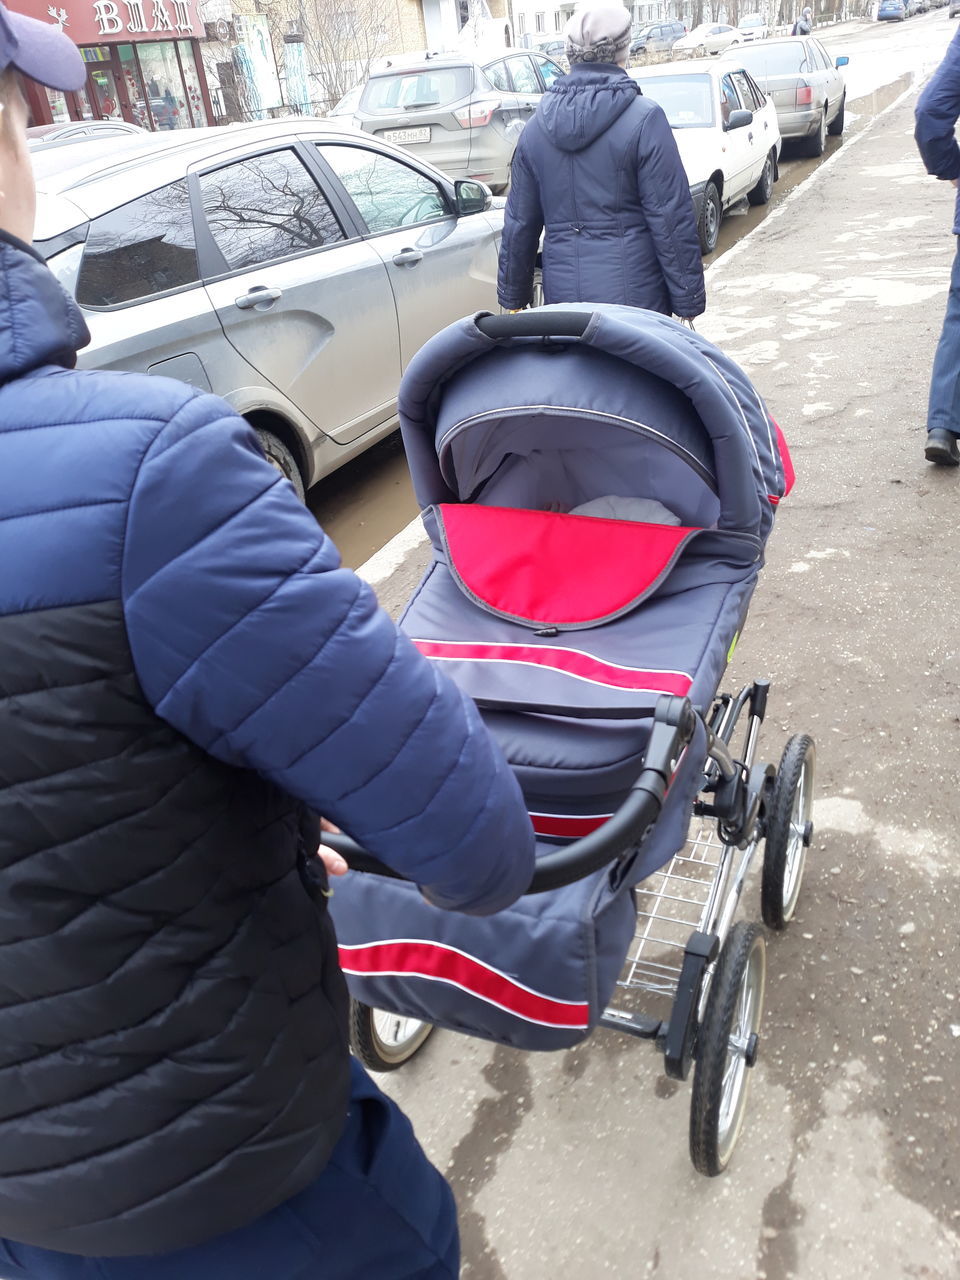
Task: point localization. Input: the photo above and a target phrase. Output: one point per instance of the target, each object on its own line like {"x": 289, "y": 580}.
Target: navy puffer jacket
{"x": 597, "y": 169}
{"x": 187, "y": 677}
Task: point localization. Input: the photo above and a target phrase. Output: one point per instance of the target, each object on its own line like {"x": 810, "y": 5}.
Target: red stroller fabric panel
{"x": 549, "y": 569}
{"x": 436, "y": 961}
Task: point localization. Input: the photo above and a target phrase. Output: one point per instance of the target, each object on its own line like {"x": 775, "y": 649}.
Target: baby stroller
{"x": 598, "y": 484}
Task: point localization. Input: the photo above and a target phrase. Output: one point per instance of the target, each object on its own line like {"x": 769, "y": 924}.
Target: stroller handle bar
{"x": 536, "y": 324}
{"x": 673, "y": 727}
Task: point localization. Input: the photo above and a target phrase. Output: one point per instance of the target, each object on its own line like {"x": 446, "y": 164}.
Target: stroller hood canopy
{"x": 469, "y": 401}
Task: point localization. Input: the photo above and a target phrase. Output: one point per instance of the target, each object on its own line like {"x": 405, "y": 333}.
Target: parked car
{"x": 293, "y": 267}
{"x": 709, "y": 37}
{"x": 727, "y": 133}
{"x": 891, "y": 11}
{"x": 805, "y": 85}
{"x": 753, "y": 27}
{"x": 344, "y": 109}
{"x": 460, "y": 115}
{"x": 48, "y": 135}
{"x": 954, "y": 9}
{"x": 656, "y": 37}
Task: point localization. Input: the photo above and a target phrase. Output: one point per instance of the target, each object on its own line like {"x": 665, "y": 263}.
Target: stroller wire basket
{"x": 591, "y": 625}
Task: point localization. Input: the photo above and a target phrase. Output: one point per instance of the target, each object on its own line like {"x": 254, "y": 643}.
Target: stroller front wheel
{"x": 384, "y": 1041}
{"x": 727, "y": 1049}
{"x": 789, "y": 827}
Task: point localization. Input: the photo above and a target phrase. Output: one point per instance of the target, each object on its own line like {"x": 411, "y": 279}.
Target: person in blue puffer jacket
{"x": 187, "y": 679}
{"x": 597, "y": 171}
{"x": 937, "y": 112}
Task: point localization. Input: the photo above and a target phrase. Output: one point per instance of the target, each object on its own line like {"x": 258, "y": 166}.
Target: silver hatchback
{"x": 806, "y": 87}
{"x": 292, "y": 267}
{"x": 463, "y": 116}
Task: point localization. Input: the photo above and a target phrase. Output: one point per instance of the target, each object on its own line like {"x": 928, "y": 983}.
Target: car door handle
{"x": 408, "y": 257}
{"x": 258, "y": 298}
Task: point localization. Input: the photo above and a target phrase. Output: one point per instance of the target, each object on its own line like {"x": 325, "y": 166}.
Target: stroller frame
{"x": 689, "y": 905}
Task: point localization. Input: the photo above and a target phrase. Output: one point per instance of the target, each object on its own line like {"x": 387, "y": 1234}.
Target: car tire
{"x": 708, "y": 224}
{"x": 835, "y": 128}
{"x": 762, "y": 192}
{"x": 280, "y": 457}
{"x": 815, "y": 145}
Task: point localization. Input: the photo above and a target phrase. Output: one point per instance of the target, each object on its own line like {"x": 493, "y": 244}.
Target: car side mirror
{"x": 739, "y": 120}
{"x": 841, "y": 62}
{"x": 472, "y": 197}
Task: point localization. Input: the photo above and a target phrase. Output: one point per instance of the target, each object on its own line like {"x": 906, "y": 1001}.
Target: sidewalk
{"x": 575, "y": 1165}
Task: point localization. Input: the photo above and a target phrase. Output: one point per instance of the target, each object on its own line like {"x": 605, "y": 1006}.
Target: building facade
{"x": 143, "y": 63}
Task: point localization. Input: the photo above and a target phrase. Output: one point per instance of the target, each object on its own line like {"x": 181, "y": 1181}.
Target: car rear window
{"x": 774, "y": 59}
{"x": 408, "y": 90}
{"x": 141, "y": 248}
{"x": 687, "y": 101}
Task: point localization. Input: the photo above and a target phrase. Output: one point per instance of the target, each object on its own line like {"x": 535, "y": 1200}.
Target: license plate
{"x": 404, "y": 136}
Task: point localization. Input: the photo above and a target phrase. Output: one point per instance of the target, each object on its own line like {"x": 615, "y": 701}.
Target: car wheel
{"x": 814, "y": 146}
{"x": 708, "y": 225}
{"x": 762, "y": 192}
{"x": 280, "y": 457}
{"x": 836, "y": 124}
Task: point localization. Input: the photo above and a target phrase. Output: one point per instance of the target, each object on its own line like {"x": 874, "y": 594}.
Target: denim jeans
{"x": 944, "y": 406}
{"x": 379, "y": 1211}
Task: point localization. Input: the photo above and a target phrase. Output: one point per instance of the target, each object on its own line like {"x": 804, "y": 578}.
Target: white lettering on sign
{"x": 108, "y": 17}
{"x": 161, "y": 18}
{"x": 136, "y": 20}
{"x": 184, "y": 22}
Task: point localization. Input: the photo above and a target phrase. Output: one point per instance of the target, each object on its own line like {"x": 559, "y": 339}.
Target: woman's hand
{"x": 334, "y": 862}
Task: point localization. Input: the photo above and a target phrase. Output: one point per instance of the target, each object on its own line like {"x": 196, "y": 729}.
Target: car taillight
{"x": 476, "y": 114}
{"x": 804, "y": 95}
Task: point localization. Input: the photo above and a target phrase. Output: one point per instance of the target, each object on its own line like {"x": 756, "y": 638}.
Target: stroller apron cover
{"x": 598, "y": 509}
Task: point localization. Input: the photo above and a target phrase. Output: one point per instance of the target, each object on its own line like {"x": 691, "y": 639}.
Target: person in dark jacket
{"x": 937, "y": 112}
{"x": 597, "y": 169}
{"x": 188, "y": 677}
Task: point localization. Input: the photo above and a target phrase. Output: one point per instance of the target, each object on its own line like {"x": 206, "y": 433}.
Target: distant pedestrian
{"x": 804, "y": 24}
{"x": 187, "y": 678}
{"x": 597, "y": 171}
{"x": 937, "y": 112}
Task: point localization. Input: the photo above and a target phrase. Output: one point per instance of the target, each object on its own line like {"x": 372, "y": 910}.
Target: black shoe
{"x": 942, "y": 448}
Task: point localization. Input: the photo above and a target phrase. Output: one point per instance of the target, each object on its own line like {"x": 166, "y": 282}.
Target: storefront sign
{"x": 93, "y": 21}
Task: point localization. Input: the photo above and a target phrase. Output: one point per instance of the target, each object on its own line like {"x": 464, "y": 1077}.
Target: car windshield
{"x": 643, "y": 31}
{"x": 751, "y": 22}
{"x": 687, "y": 101}
{"x": 407, "y": 90}
{"x": 704, "y": 29}
{"x": 765, "y": 60}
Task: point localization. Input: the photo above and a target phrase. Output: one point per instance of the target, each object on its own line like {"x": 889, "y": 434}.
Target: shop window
{"x": 266, "y": 207}
{"x": 165, "y": 94}
{"x": 143, "y": 248}
{"x": 387, "y": 194}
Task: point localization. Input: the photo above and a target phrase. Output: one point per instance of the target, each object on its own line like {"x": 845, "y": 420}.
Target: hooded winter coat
{"x": 937, "y": 112}
{"x": 187, "y": 676}
{"x": 598, "y": 171}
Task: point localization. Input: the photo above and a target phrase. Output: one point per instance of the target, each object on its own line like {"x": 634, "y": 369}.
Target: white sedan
{"x": 753, "y": 27}
{"x": 709, "y": 37}
{"x": 727, "y": 133}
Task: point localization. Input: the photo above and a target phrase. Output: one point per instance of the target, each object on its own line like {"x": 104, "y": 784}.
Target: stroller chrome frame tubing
{"x": 695, "y": 896}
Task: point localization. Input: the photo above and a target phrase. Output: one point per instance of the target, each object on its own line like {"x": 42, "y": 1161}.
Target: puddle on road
{"x": 365, "y": 503}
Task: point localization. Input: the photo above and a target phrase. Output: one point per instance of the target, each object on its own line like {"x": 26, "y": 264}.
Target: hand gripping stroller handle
{"x": 673, "y": 726}
{"x": 536, "y": 324}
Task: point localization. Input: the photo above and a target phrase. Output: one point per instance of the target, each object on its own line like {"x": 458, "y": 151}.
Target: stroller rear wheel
{"x": 384, "y": 1041}
{"x": 727, "y": 1048}
{"x": 789, "y": 828}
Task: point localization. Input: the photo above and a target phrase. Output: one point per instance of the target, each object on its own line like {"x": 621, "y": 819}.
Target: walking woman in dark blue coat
{"x": 597, "y": 169}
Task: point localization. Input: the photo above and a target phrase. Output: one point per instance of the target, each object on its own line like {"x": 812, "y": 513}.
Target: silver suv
{"x": 293, "y": 267}
{"x": 465, "y": 117}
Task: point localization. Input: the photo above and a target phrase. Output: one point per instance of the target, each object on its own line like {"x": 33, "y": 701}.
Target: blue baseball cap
{"x": 40, "y": 51}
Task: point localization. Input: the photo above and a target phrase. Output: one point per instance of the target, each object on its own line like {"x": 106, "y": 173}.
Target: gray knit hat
{"x": 598, "y": 33}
